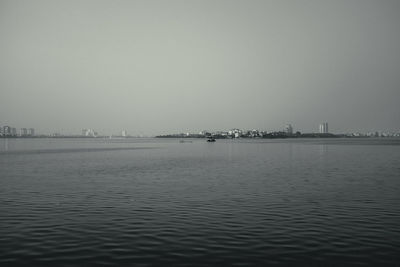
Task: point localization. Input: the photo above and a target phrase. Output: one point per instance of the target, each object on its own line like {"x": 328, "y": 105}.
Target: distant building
{"x": 204, "y": 132}
{"x": 31, "y": 132}
{"x": 235, "y": 133}
{"x": 254, "y": 133}
{"x": 123, "y": 133}
{"x": 323, "y": 128}
{"x": 289, "y": 129}
{"x": 14, "y": 131}
{"x": 6, "y": 130}
{"x": 23, "y": 132}
{"x": 89, "y": 133}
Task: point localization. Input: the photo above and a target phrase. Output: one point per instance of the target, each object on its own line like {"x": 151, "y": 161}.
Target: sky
{"x": 158, "y": 67}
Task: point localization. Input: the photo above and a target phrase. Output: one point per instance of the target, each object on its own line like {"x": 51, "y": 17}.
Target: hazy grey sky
{"x": 174, "y": 66}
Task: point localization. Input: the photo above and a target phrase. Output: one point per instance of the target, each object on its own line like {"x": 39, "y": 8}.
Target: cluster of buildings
{"x": 373, "y": 134}
{"x": 237, "y": 133}
{"x": 254, "y": 133}
{"x": 323, "y": 131}
{"x": 8, "y": 131}
{"x": 93, "y": 133}
{"x": 89, "y": 133}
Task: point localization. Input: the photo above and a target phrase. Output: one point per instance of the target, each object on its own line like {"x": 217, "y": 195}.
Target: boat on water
{"x": 210, "y": 137}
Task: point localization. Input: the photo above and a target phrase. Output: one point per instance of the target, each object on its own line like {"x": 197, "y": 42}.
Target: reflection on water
{"x": 323, "y": 149}
{"x": 5, "y": 144}
{"x": 232, "y": 202}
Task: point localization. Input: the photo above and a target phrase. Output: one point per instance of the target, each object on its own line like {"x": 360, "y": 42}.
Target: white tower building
{"x": 289, "y": 129}
{"x": 323, "y": 128}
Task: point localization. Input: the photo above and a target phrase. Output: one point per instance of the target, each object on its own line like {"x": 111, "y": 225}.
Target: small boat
{"x": 211, "y": 139}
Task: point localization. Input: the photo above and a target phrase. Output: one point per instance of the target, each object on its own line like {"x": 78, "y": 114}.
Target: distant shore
{"x": 181, "y": 136}
{"x": 274, "y": 136}
{"x": 73, "y": 136}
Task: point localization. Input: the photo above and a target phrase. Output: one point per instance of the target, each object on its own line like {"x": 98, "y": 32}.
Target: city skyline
{"x": 288, "y": 129}
{"x": 153, "y": 67}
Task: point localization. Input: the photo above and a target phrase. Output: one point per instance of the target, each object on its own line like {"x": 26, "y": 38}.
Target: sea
{"x": 165, "y": 202}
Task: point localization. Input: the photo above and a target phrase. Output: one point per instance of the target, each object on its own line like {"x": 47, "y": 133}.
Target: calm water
{"x": 134, "y": 202}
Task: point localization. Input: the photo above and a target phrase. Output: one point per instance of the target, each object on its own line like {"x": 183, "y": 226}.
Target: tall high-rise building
{"x": 6, "y": 130}
{"x": 323, "y": 128}
{"x": 31, "y": 132}
{"x": 89, "y": 132}
{"x": 289, "y": 129}
{"x": 24, "y": 132}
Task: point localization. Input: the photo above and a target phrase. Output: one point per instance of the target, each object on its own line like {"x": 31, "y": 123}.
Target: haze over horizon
{"x": 157, "y": 67}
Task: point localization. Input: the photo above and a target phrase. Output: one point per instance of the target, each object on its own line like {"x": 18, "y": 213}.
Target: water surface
{"x": 126, "y": 202}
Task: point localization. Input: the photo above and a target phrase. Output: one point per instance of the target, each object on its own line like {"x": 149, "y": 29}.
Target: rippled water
{"x": 140, "y": 202}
